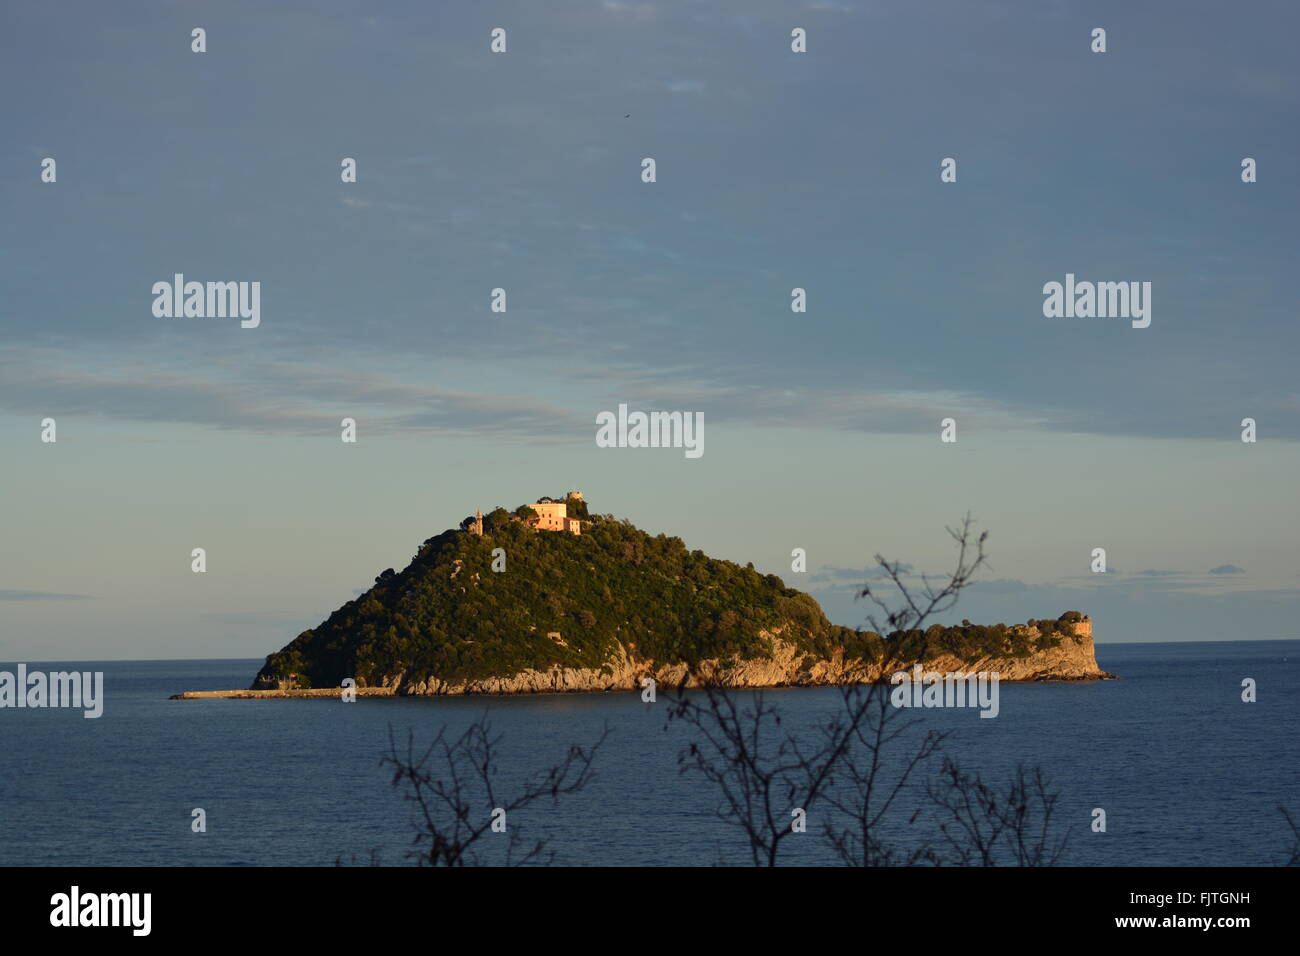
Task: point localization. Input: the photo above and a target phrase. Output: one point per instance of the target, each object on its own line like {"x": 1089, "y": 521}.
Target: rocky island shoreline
{"x": 553, "y": 599}
{"x": 1073, "y": 662}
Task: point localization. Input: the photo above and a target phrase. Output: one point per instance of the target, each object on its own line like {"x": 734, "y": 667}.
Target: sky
{"x": 522, "y": 170}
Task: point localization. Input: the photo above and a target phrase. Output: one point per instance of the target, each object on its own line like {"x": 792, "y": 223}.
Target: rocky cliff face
{"x": 1073, "y": 659}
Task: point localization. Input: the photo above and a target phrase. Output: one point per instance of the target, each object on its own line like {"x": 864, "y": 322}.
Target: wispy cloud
{"x": 830, "y": 577}
{"x": 277, "y": 397}
{"x": 640, "y": 11}
{"x": 10, "y": 595}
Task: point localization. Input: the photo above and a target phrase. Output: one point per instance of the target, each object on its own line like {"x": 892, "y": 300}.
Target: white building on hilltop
{"x": 553, "y": 515}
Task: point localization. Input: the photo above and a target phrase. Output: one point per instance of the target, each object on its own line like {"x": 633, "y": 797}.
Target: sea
{"x": 1185, "y": 771}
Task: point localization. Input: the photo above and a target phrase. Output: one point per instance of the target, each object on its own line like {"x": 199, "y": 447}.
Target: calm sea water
{"x": 1187, "y": 773}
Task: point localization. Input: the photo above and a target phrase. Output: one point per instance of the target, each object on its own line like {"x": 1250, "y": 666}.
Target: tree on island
{"x": 496, "y": 519}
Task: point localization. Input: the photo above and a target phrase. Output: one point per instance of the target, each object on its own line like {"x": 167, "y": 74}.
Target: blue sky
{"x": 522, "y": 171}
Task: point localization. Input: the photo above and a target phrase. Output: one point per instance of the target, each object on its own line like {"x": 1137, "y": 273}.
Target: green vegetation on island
{"x": 449, "y": 615}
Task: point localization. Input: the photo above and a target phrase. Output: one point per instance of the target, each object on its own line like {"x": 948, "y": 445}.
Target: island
{"x": 552, "y": 598}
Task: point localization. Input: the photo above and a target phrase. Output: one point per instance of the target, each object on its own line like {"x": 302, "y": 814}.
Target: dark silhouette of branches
{"x": 860, "y": 761}
{"x": 981, "y": 825}
{"x": 917, "y": 606}
{"x": 874, "y": 780}
{"x": 1293, "y": 855}
{"x": 453, "y": 787}
{"x": 761, "y": 772}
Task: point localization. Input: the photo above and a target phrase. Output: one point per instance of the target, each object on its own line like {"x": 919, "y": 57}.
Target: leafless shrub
{"x": 875, "y": 780}
{"x": 916, "y": 606}
{"x": 452, "y": 784}
{"x": 761, "y": 772}
{"x": 984, "y": 827}
{"x": 860, "y": 761}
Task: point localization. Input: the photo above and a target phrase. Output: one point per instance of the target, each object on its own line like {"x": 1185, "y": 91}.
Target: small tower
{"x": 477, "y": 526}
